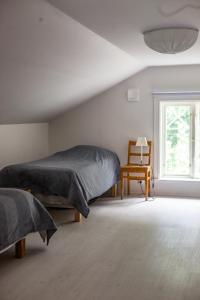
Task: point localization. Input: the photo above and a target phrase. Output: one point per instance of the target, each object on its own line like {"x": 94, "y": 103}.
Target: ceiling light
{"x": 171, "y": 40}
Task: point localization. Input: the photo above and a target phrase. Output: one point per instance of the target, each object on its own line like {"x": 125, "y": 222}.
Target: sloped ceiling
{"x": 49, "y": 62}
{"x": 122, "y": 22}
{"x": 56, "y": 54}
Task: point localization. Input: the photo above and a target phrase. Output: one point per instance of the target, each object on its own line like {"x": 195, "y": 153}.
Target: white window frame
{"x": 176, "y": 97}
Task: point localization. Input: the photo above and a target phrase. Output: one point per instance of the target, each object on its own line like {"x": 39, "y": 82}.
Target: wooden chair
{"x": 133, "y": 168}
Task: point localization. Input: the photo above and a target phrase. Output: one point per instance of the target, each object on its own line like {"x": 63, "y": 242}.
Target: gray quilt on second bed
{"x": 21, "y": 213}
{"x": 78, "y": 174}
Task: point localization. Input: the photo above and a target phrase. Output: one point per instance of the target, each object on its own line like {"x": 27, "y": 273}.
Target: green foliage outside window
{"x": 177, "y": 156}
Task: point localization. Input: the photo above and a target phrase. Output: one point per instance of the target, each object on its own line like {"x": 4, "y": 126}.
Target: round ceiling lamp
{"x": 171, "y": 40}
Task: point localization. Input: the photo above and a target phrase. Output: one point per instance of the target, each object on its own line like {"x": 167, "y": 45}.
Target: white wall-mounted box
{"x": 133, "y": 95}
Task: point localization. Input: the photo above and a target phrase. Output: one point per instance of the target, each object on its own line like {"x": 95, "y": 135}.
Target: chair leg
{"x": 128, "y": 186}
{"x": 149, "y": 187}
{"x": 146, "y": 188}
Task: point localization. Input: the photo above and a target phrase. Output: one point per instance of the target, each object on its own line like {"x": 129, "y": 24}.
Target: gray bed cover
{"x": 21, "y": 213}
{"x": 79, "y": 174}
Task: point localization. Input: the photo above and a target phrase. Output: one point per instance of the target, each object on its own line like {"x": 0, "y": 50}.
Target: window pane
{"x": 177, "y": 139}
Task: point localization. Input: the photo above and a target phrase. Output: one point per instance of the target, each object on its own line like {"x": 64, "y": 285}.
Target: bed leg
{"x": 114, "y": 190}
{"x": 20, "y": 249}
{"x": 77, "y": 216}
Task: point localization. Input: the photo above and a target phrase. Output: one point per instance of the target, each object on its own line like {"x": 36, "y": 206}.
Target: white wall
{"x": 109, "y": 120}
{"x": 23, "y": 142}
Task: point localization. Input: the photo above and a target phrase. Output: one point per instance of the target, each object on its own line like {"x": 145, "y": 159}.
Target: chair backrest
{"x": 134, "y": 154}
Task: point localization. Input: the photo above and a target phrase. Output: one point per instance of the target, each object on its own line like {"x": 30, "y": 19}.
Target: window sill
{"x": 179, "y": 179}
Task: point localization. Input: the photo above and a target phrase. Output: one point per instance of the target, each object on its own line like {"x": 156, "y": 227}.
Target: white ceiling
{"x": 122, "y": 22}
{"x": 53, "y": 58}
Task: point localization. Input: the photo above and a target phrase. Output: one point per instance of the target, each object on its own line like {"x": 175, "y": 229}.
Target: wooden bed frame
{"x": 20, "y": 246}
{"x": 77, "y": 214}
{"x": 114, "y": 190}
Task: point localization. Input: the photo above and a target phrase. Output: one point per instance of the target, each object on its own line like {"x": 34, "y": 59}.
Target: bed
{"x": 20, "y": 214}
{"x": 78, "y": 175}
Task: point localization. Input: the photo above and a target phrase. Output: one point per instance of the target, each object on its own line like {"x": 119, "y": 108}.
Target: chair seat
{"x": 136, "y": 168}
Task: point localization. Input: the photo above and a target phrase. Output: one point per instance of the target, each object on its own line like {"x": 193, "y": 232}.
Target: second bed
{"x": 78, "y": 175}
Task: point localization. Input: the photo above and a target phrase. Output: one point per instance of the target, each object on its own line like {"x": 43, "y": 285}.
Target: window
{"x": 180, "y": 139}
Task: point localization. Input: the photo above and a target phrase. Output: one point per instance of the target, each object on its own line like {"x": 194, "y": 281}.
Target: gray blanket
{"x": 79, "y": 174}
{"x": 21, "y": 213}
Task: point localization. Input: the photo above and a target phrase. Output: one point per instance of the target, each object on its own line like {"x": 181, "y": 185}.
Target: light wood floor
{"x": 127, "y": 249}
